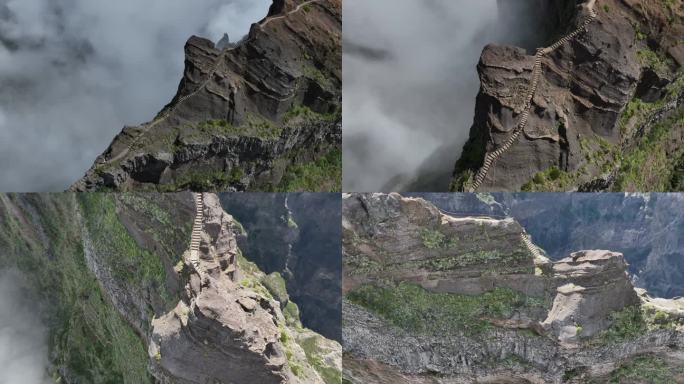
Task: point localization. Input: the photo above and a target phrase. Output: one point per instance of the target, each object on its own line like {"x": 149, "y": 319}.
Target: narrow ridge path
{"x": 147, "y": 126}
{"x": 492, "y": 157}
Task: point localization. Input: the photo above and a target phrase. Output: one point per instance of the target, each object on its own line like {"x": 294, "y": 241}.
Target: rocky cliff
{"x": 264, "y": 114}
{"x": 600, "y": 108}
{"x": 647, "y": 228}
{"x": 435, "y": 298}
{"x": 135, "y": 292}
{"x": 306, "y": 228}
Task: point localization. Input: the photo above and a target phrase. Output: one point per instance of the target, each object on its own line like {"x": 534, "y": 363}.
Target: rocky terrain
{"x": 605, "y": 108}
{"x": 306, "y": 228}
{"x": 131, "y": 291}
{"x": 437, "y": 298}
{"x": 647, "y": 229}
{"x": 263, "y": 114}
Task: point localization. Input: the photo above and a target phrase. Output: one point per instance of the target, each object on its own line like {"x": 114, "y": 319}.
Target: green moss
{"x": 319, "y": 77}
{"x": 322, "y": 175}
{"x": 254, "y": 126}
{"x": 417, "y": 310}
{"x": 291, "y": 223}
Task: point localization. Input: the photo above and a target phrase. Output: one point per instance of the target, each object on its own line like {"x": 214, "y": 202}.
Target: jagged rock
{"x": 560, "y": 342}
{"x": 585, "y": 87}
{"x": 242, "y": 115}
{"x": 595, "y": 284}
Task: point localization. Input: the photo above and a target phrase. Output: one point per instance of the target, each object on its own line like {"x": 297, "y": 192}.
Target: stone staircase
{"x": 492, "y": 157}
{"x": 196, "y": 229}
{"x": 531, "y": 247}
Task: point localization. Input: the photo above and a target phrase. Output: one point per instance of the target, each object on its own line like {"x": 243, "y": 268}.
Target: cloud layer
{"x": 23, "y": 338}
{"x": 74, "y": 72}
{"x": 410, "y": 83}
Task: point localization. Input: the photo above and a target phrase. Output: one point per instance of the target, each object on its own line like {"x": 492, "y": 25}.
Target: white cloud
{"x": 85, "y": 68}
{"x": 23, "y": 338}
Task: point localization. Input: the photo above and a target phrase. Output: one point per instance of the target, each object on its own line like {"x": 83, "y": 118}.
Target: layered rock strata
{"x": 244, "y": 115}
{"x": 513, "y": 318}
{"x": 593, "y": 95}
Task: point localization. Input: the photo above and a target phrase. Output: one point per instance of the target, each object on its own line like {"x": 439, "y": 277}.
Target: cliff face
{"x": 420, "y": 308}
{"x": 247, "y": 117}
{"x": 606, "y": 104}
{"x": 134, "y": 292}
{"x": 305, "y": 227}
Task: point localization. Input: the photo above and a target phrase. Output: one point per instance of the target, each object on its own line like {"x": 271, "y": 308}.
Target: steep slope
{"x": 433, "y": 298}
{"x": 598, "y": 109}
{"x": 306, "y": 228}
{"x": 264, "y": 114}
{"x": 129, "y": 283}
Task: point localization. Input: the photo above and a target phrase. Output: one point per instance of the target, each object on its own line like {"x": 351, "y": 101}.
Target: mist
{"x": 410, "y": 83}
{"x": 23, "y": 338}
{"x": 74, "y": 72}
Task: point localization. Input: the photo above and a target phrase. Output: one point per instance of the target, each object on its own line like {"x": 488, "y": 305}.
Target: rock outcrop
{"x": 601, "y": 92}
{"x": 411, "y": 316}
{"x": 245, "y": 114}
{"x": 121, "y": 307}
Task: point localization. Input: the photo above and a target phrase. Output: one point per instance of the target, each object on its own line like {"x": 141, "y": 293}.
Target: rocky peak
{"x": 592, "y": 285}
{"x": 578, "y": 122}
{"x": 218, "y": 320}
{"x": 228, "y": 327}
{"x": 242, "y": 114}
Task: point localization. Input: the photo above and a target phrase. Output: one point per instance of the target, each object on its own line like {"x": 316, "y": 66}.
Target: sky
{"x": 410, "y": 83}
{"x": 74, "y": 72}
{"x": 23, "y": 338}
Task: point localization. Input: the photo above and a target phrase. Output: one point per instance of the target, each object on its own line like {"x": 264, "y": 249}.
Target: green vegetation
{"x": 315, "y": 74}
{"x": 647, "y": 369}
{"x": 433, "y": 239}
{"x": 657, "y": 62}
{"x": 649, "y": 166}
{"x": 291, "y": 313}
{"x": 291, "y": 223}
{"x": 313, "y": 352}
{"x": 305, "y": 113}
{"x": 625, "y": 325}
{"x": 275, "y": 284}
{"x": 127, "y": 260}
{"x": 254, "y": 126}
{"x": 88, "y": 337}
{"x": 417, "y": 310}
{"x": 322, "y": 175}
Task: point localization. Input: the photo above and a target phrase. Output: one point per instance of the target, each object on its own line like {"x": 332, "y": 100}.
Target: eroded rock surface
{"x": 533, "y": 321}
{"x": 243, "y": 113}
{"x": 582, "y": 122}
{"x": 223, "y": 331}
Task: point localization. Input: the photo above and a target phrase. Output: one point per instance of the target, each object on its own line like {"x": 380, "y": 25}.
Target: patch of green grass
{"x": 275, "y": 284}
{"x": 625, "y": 325}
{"x": 329, "y": 374}
{"x": 291, "y": 313}
{"x": 659, "y": 63}
{"x": 649, "y": 166}
{"x": 128, "y": 261}
{"x": 322, "y": 175}
{"x": 305, "y": 113}
{"x": 432, "y": 239}
{"x": 647, "y": 369}
{"x": 415, "y": 309}
{"x": 315, "y": 74}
